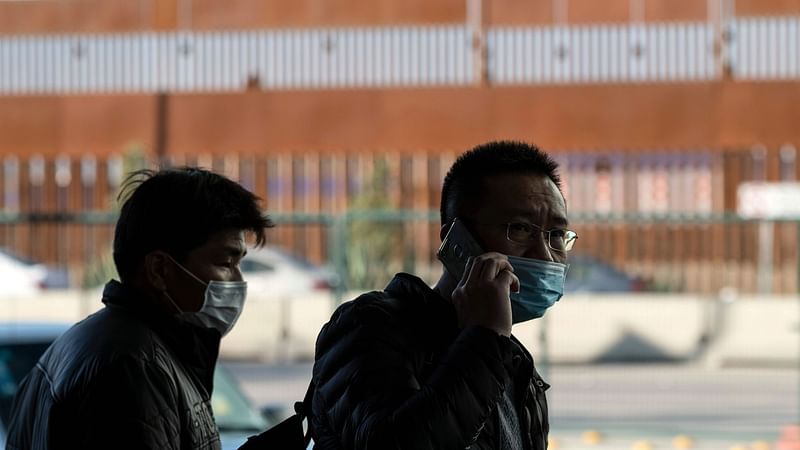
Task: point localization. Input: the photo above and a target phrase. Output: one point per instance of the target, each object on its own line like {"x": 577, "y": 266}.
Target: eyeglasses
{"x": 558, "y": 239}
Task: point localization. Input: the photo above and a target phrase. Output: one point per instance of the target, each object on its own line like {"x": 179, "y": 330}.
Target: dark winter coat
{"x": 394, "y": 371}
{"x": 123, "y": 378}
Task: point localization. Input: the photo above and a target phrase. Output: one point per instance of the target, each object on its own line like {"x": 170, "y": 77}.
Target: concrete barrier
{"x": 50, "y": 306}
{"x": 580, "y": 329}
{"x": 758, "y": 331}
{"x": 278, "y": 329}
{"x": 604, "y": 328}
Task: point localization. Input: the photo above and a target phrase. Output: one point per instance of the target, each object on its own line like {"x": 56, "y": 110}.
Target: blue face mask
{"x": 541, "y": 286}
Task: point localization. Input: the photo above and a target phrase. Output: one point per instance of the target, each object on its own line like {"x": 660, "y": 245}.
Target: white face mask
{"x": 222, "y": 305}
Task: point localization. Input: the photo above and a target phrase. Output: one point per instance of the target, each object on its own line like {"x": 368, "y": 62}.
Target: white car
{"x": 20, "y": 278}
{"x": 271, "y": 272}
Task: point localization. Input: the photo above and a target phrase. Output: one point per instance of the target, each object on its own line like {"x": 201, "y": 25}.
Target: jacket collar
{"x": 443, "y": 317}
{"x": 439, "y": 316}
{"x": 405, "y": 285}
{"x": 197, "y": 348}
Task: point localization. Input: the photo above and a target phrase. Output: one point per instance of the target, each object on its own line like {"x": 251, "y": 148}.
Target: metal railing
{"x": 661, "y": 216}
{"x": 696, "y": 253}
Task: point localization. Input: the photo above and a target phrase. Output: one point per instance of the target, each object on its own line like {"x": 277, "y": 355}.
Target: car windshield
{"x": 232, "y": 410}
{"x": 16, "y": 360}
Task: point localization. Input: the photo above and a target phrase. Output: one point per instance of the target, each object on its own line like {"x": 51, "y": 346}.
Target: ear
{"x": 156, "y": 269}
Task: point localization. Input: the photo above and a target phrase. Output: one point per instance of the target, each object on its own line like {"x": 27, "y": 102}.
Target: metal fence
{"x": 218, "y": 61}
{"x": 665, "y": 217}
{"x": 765, "y": 48}
{"x": 602, "y": 53}
{"x": 694, "y": 253}
{"x": 234, "y": 60}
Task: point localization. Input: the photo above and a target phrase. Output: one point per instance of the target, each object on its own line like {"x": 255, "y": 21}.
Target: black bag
{"x": 287, "y": 435}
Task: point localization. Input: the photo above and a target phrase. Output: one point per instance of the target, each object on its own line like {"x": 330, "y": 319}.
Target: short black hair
{"x": 177, "y": 210}
{"x": 465, "y": 179}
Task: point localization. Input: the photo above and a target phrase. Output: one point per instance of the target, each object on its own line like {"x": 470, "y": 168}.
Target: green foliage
{"x": 373, "y": 248}
{"x": 101, "y": 268}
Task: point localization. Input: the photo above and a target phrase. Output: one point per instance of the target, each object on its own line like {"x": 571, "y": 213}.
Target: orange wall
{"x": 519, "y": 12}
{"x": 80, "y": 16}
{"x": 710, "y": 115}
{"x": 675, "y": 10}
{"x": 767, "y": 8}
{"x": 592, "y": 11}
{"x": 74, "y": 16}
{"x": 74, "y": 125}
{"x": 526, "y": 12}
{"x": 131, "y": 15}
{"x": 208, "y": 14}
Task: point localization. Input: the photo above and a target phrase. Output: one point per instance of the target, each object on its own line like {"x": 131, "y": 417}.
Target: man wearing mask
{"x": 412, "y": 367}
{"x": 138, "y": 374}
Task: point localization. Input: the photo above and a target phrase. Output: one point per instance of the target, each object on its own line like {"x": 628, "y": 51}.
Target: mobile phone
{"x": 458, "y": 245}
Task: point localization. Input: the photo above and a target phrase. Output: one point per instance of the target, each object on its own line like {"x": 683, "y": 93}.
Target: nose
{"x": 539, "y": 249}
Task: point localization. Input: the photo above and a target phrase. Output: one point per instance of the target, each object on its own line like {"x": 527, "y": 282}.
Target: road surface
{"x": 626, "y": 404}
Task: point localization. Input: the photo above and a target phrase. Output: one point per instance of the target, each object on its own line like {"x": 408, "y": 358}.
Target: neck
{"x": 445, "y": 286}
{"x": 155, "y": 297}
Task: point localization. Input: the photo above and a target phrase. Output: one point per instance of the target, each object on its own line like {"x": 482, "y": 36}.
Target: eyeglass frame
{"x": 568, "y": 244}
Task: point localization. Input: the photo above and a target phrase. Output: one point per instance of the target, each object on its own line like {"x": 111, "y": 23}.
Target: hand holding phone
{"x": 484, "y": 281}
{"x": 458, "y": 245}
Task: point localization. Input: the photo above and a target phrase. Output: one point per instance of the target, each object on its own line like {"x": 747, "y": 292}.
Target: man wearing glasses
{"x": 412, "y": 367}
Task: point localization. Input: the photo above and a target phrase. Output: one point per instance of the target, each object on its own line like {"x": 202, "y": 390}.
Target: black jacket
{"x": 393, "y": 371}
{"x": 124, "y": 377}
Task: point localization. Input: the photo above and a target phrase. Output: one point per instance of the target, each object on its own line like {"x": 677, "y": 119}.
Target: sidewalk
{"x": 566, "y": 440}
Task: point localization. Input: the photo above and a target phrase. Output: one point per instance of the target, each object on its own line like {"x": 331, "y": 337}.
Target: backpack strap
{"x": 303, "y": 409}
{"x": 289, "y": 433}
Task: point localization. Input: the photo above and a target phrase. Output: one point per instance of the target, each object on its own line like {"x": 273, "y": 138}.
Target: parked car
{"x": 19, "y": 277}
{"x": 21, "y": 345}
{"x": 272, "y": 272}
{"x": 588, "y": 274}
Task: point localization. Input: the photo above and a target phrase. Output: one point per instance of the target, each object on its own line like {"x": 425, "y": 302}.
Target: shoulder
{"x": 407, "y": 304}
{"x": 371, "y": 309}
{"x": 111, "y": 333}
{"x": 105, "y": 341}
{"x": 403, "y": 299}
